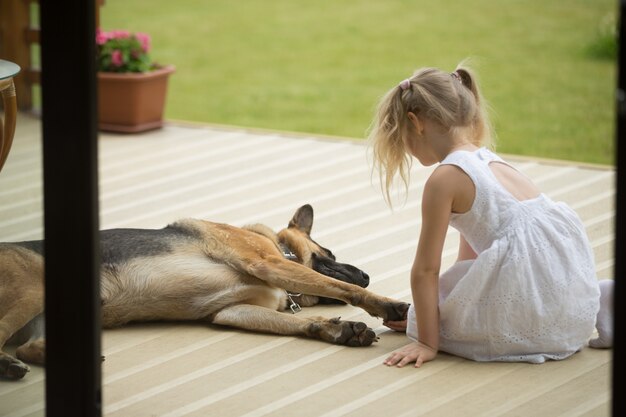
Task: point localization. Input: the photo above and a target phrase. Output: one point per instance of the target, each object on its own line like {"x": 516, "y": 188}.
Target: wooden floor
{"x": 239, "y": 177}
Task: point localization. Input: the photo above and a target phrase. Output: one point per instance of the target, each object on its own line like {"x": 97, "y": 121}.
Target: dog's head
{"x": 297, "y": 238}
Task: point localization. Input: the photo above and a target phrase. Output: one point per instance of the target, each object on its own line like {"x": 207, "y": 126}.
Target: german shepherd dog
{"x": 197, "y": 270}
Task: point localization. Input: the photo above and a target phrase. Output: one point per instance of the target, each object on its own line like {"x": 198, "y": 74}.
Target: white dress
{"x": 531, "y": 294}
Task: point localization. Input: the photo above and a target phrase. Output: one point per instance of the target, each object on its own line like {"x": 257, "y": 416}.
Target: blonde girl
{"x": 523, "y": 287}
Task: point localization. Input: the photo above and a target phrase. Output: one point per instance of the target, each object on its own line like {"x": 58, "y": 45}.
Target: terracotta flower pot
{"x": 132, "y": 102}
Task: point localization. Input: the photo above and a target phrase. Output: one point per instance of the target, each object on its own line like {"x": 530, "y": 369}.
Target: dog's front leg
{"x": 262, "y": 319}
{"x": 297, "y": 278}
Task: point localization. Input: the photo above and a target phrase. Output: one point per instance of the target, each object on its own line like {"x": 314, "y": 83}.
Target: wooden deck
{"x": 238, "y": 176}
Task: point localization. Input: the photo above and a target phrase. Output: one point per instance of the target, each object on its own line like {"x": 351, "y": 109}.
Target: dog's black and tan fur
{"x": 197, "y": 270}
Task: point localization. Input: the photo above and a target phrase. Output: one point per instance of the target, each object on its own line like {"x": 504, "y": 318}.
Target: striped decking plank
{"x": 238, "y": 176}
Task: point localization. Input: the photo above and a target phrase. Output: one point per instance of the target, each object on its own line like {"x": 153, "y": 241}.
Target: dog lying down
{"x": 198, "y": 270}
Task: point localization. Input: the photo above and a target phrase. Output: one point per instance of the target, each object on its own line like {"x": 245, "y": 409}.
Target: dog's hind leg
{"x": 262, "y": 319}
{"x": 34, "y": 350}
{"x": 16, "y": 318}
{"x": 21, "y": 300}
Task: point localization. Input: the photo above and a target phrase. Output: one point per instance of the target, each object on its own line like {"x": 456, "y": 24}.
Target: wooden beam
{"x": 72, "y": 252}
{"x": 31, "y": 35}
{"x": 14, "y": 21}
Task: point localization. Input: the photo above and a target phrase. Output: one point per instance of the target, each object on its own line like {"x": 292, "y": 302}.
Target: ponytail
{"x": 483, "y": 134}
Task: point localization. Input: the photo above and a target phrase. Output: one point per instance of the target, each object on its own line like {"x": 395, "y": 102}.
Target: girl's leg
{"x": 604, "y": 320}
{"x": 449, "y": 279}
{"x": 447, "y": 282}
{"x": 411, "y": 324}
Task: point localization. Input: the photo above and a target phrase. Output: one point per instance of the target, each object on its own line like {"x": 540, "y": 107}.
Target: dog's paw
{"x": 349, "y": 333}
{"x": 396, "y": 311}
{"x": 356, "y": 333}
{"x": 11, "y": 368}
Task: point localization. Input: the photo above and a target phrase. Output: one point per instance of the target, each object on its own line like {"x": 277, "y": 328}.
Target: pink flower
{"x": 116, "y": 58}
{"x": 144, "y": 40}
{"x": 101, "y": 37}
{"x": 121, "y": 50}
{"x": 119, "y": 34}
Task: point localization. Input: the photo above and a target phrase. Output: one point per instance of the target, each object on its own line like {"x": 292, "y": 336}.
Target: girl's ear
{"x": 416, "y": 122}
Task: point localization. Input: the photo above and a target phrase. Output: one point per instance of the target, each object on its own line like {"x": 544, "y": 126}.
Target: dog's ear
{"x": 303, "y": 219}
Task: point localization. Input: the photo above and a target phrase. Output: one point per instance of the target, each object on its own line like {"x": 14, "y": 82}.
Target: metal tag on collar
{"x": 288, "y": 254}
{"x": 295, "y": 307}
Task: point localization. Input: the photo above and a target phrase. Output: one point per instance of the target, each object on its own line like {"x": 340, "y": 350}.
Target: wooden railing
{"x": 19, "y": 43}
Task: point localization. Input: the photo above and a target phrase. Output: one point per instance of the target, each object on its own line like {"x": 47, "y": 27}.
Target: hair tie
{"x": 456, "y": 76}
{"x": 405, "y": 84}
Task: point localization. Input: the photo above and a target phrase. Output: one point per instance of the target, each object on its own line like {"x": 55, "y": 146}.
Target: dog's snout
{"x": 365, "y": 278}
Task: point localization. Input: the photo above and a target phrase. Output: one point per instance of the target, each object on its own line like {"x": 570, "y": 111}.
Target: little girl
{"x": 523, "y": 287}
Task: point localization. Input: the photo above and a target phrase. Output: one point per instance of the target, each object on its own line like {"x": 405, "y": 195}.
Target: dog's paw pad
{"x": 349, "y": 333}
{"x": 357, "y": 334}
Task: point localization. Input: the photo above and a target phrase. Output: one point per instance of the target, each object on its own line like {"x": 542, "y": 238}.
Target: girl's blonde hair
{"x": 453, "y": 100}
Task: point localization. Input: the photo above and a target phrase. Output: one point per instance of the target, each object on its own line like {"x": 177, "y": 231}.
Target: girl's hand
{"x": 398, "y": 326}
{"x": 415, "y": 352}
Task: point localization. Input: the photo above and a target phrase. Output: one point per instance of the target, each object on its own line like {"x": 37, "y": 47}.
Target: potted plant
{"x": 131, "y": 88}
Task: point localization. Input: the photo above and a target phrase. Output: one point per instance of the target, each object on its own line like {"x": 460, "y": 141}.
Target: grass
{"x": 320, "y": 67}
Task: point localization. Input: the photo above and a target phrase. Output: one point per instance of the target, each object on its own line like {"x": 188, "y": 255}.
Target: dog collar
{"x": 287, "y": 253}
{"x": 290, "y": 256}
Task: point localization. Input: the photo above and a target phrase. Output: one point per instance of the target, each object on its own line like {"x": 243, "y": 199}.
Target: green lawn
{"x": 320, "y": 66}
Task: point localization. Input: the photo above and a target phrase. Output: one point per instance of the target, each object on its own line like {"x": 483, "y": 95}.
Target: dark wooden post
{"x": 69, "y": 120}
